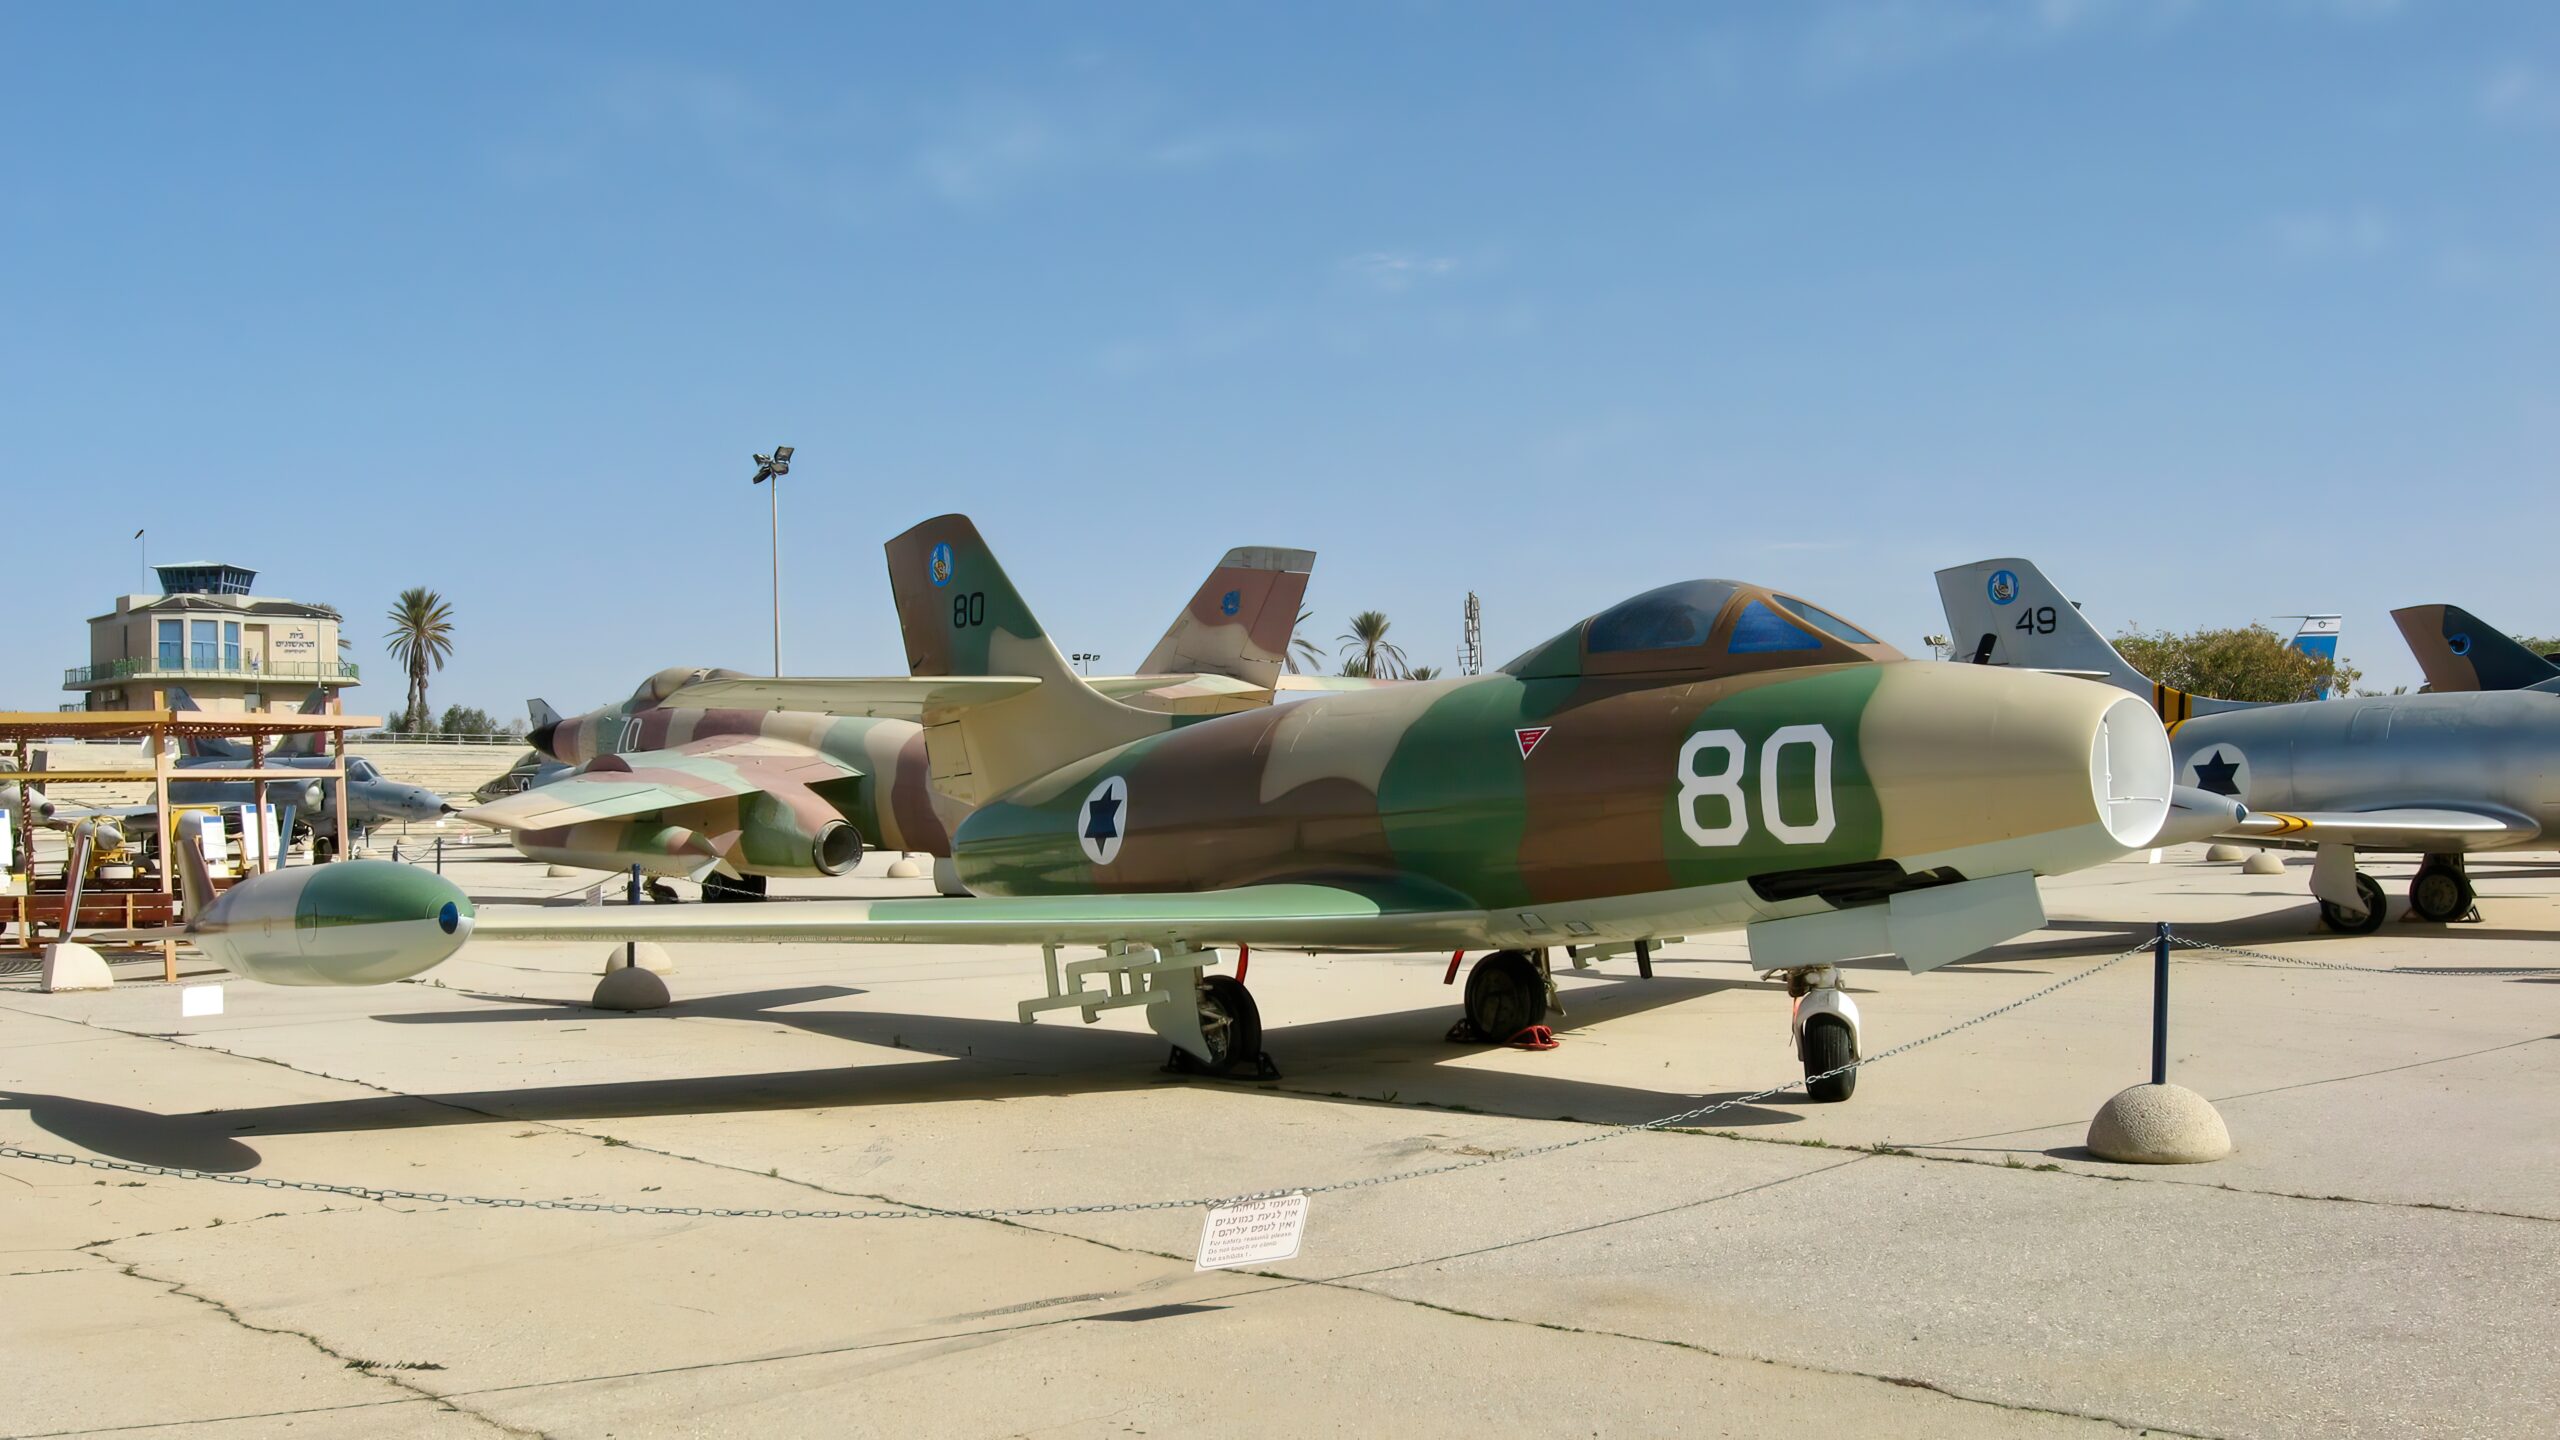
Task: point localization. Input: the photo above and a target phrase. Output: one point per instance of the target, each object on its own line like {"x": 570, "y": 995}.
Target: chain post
{"x": 2160, "y": 1005}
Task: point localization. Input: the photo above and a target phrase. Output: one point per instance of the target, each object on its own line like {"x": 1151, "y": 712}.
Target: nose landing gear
{"x": 1826, "y": 1029}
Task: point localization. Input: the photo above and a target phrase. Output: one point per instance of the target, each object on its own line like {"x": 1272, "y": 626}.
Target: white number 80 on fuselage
{"x": 1725, "y": 784}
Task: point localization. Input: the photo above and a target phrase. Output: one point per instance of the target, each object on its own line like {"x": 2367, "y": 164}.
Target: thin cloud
{"x": 1397, "y": 270}
{"x": 2518, "y": 94}
{"x": 2359, "y": 234}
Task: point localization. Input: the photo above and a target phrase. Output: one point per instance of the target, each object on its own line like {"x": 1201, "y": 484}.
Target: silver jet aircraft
{"x": 2438, "y": 775}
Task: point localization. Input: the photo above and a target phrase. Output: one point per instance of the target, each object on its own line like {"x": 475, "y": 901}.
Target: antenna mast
{"x": 1471, "y": 649}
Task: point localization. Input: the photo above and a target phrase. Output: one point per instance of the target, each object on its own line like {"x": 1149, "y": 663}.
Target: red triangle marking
{"x": 1529, "y": 738}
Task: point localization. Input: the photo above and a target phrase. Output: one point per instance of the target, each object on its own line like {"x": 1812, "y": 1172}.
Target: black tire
{"x": 1828, "y": 1045}
{"x": 2376, "y": 909}
{"x": 1506, "y": 994}
{"x": 1231, "y": 1024}
{"x": 2440, "y": 894}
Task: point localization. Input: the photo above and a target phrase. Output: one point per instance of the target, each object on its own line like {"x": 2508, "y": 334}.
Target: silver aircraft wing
{"x": 2434, "y": 829}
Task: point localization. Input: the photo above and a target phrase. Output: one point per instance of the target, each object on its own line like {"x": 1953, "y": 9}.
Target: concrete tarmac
{"x": 1937, "y": 1256}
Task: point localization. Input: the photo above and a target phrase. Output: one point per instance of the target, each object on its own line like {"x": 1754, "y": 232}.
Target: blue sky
{"x": 2220, "y": 311}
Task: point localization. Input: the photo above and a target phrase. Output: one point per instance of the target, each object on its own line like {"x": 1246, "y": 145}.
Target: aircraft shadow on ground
{"x": 1391, "y": 1058}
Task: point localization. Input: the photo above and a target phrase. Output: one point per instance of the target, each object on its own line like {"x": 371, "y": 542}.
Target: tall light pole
{"x": 773, "y": 467}
{"x": 1084, "y": 660}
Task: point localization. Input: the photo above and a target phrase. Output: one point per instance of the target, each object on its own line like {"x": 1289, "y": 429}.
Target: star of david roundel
{"x": 2219, "y": 769}
{"x": 1103, "y": 819}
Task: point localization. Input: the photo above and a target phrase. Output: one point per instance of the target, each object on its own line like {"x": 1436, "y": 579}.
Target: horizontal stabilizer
{"x": 881, "y": 697}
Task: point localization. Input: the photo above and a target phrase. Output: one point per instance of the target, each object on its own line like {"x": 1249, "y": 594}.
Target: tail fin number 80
{"x": 1715, "y": 810}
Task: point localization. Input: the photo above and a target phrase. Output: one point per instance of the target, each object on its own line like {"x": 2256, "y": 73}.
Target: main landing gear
{"x": 1210, "y": 1020}
{"x": 1508, "y": 991}
{"x": 2376, "y": 909}
{"x": 718, "y": 888}
{"x": 2441, "y": 891}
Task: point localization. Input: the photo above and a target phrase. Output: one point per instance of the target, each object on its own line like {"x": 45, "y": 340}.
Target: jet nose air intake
{"x": 2129, "y": 772}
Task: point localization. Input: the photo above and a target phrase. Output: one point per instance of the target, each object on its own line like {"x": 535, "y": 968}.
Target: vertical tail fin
{"x": 2005, "y": 612}
{"x": 305, "y": 745}
{"x": 2318, "y": 638}
{"x": 202, "y": 747}
{"x": 2460, "y": 651}
{"x": 1239, "y": 623}
{"x": 961, "y": 616}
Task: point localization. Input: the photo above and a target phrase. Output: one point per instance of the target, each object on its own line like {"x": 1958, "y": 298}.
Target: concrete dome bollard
{"x": 70, "y": 965}
{"x": 905, "y": 868}
{"x": 651, "y": 957}
{"x": 631, "y": 988}
{"x": 2159, "y": 1125}
{"x": 2263, "y": 862}
{"x": 2225, "y": 854}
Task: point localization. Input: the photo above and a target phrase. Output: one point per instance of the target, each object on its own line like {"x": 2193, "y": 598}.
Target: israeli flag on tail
{"x": 2318, "y": 638}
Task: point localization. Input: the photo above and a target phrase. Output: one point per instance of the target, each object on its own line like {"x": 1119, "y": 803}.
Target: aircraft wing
{"x": 647, "y": 781}
{"x": 883, "y": 697}
{"x": 1292, "y": 916}
{"x": 2429, "y": 829}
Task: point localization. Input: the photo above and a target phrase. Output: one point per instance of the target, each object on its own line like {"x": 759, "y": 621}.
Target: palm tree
{"x": 1303, "y": 654}
{"x": 1422, "y": 672}
{"x": 420, "y": 639}
{"x": 1376, "y": 658}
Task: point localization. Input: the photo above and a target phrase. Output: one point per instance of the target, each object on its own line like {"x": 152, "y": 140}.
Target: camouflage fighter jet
{"x": 2440, "y": 775}
{"x": 1708, "y": 755}
{"x": 2459, "y": 651}
{"x": 725, "y": 779}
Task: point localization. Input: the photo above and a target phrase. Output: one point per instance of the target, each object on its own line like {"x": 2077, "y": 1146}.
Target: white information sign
{"x": 198, "y": 1000}
{"x": 1253, "y": 1233}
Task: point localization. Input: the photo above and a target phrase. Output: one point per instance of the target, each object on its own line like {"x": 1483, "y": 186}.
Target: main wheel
{"x": 1506, "y": 994}
{"x": 1230, "y": 1022}
{"x": 1829, "y": 1044}
{"x": 2440, "y": 893}
{"x": 2376, "y": 909}
{"x": 718, "y": 888}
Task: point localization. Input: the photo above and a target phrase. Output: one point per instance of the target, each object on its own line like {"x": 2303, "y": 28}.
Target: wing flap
{"x": 644, "y": 782}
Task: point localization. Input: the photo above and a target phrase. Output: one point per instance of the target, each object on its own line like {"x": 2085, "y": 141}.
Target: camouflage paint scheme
{"x": 771, "y": 787}
{"x": 2459, "y": 651}
{"x": 1556, "y": 780}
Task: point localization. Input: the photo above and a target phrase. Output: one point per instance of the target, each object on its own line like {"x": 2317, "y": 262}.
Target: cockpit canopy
{"x": 1706, "y": 628}
{"x": 654, "y": 690}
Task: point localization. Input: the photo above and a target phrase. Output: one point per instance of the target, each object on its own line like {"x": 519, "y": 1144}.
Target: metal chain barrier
{"x": 927, "y": 1212}
{"x": 2184, "y": 943}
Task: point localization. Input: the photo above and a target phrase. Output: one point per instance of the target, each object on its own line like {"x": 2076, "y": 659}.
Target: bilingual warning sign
{"x": 1253, "y": 1233}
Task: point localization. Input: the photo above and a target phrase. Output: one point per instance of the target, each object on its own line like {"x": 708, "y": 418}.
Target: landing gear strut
{"x": 2441, "y": 890}
{"x": 1230, "y": 1026}
{"x": 718, "y": 888}
{"x": 1507, "y": 992}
